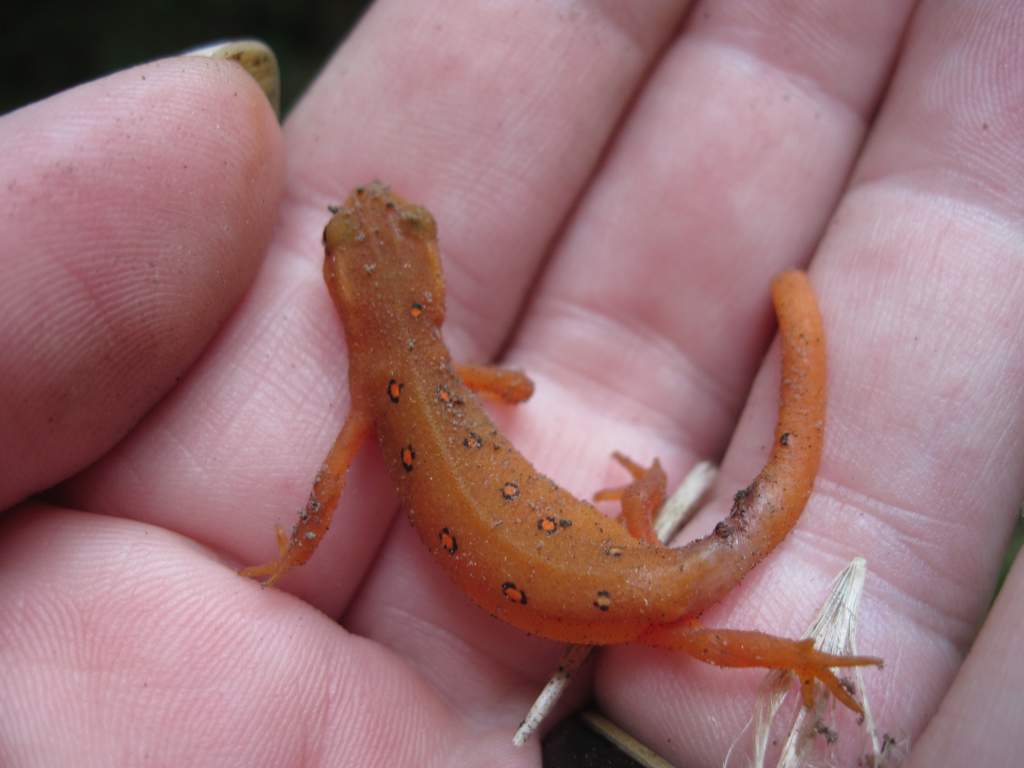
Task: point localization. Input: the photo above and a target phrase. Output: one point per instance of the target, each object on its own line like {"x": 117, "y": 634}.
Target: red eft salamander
{"x": 516, "y": 543}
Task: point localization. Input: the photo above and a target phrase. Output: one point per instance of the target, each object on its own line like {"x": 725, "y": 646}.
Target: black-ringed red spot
{"x": 448, "y": 542}
{"x": 510, "y": 491}
{"x": 551, "y": 524}
{"x": 408, "y": 457}
{"x": 416, "y": 309}
{"x": 513, "y": 593}
{"x": 473, "y": 440}
{"x": 603, "y": 601}
{"x": 394, "y": 391}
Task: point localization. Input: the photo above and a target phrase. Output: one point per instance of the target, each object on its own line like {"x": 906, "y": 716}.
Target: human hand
{"x": 613, "y": 198}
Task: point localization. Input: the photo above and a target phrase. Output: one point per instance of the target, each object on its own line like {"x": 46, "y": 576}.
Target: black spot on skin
{"x": 784, "y": 440}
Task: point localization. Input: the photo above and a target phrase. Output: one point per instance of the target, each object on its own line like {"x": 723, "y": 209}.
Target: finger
{"x": 656, "y": 311}
{"x": 925, "y": 427}
{"x": 494, "y": 121}
{"x": 136, "y": 642}
{"x": 134, "y": 216}
{"x": 978, "y": 721}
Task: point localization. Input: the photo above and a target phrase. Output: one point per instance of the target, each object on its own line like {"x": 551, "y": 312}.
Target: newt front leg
{"x": 315, "y": 516}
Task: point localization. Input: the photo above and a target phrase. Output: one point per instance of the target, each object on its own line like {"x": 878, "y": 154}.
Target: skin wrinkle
{"x": 709, "y": 394}
{"x": 809, "y": 86}
{"x": 417, "y": 626}
{"x": 883, "y": 516}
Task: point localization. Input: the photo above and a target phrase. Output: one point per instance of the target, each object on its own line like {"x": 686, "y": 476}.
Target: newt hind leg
{"x": 641, "y": 499}
{"x": 743, "y": 648}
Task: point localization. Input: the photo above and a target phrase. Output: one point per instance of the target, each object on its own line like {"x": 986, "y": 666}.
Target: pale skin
{"x": 622, "y": 258}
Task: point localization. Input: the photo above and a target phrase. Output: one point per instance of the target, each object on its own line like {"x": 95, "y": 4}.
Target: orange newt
{"x": 516, "y": 543}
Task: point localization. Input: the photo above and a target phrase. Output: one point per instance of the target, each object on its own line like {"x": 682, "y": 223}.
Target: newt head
{"x": 381, "y": 258}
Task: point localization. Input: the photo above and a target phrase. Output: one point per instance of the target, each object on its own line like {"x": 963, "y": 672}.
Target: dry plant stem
{"x": 833, "y": 630}
{"x": 674, "y": 513}
{"x": 641, "y": 753}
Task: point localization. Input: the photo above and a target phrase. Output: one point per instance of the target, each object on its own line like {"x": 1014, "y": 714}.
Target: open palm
{"x": 614, "y": 191}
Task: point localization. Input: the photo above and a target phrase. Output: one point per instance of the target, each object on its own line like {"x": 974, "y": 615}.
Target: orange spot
{"x": 510, "y": 491}
{"x": 513, "y": 593}
{"x": 603, "y": 601}
{"x": 551, "y": 524}
{"x": 444, "y": 395}
{"x": 416, "y": 310}
{"x": 408, "y": 456}
{"x": 394, "y": 391}
{"x": 448, "y": 542}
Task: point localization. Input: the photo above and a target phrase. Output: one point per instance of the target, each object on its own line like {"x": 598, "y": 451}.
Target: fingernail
{"x": 256, "y": 58}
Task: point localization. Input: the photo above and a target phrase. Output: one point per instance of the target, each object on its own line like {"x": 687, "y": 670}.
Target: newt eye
{"x": 603, "y": 601}
{"x": 408, "y": 457}
{"x": 513, "y": 593}
{"x": 510, "y": 491}
{"x": 614, "y": 551}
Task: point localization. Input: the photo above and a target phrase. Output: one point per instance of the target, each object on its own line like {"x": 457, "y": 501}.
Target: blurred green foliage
{"x": 48, "y": 46}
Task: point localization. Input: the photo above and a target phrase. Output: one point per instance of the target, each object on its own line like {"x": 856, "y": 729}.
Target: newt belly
{"x": 515, "y": 542}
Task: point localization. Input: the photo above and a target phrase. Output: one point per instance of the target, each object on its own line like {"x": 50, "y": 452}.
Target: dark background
{"x": 54, "y": 44}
